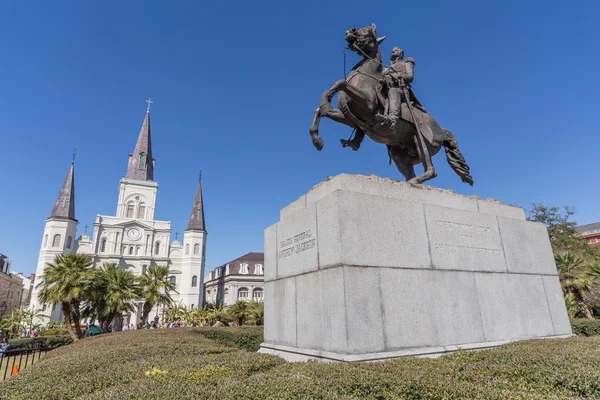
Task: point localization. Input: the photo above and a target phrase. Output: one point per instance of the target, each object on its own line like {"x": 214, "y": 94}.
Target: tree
{"x": 118, "y": 290}
{"x": 576, "y": 279}
{"x": 155, "y": 286}
{"x": 256, "y": 313}
{"x": 67, "y": 282}
{"x": 31, "y": 317}
{"x": 561, "y": 229}
{"x": 239, "y": 312}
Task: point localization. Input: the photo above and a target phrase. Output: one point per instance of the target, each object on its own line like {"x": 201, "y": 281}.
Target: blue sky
{"x": 234, "y": 85}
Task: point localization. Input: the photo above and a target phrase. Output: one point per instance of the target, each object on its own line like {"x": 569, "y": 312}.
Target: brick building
{"x": 11, "y": 287}
{"x": 591, "y": 233}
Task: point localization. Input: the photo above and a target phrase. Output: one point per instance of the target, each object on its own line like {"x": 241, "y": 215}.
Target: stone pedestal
{"x": 365, "y": 268}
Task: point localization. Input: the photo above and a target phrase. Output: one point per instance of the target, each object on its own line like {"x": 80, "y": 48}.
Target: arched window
{"x": 142, "y": 161}
{"x": 194, "y": 281}
{"x": 69, "y": 242}
{"x": 243, "y": 293}
{"x": 258, "y": 269}
{"x": 258, "y": 295}
{"x": 197, "y": 248}
{"x": 187, "y": 248}
{"x": 124, "y": 250}
{"x": 141, "y": 211}
{"x": 157, "y": 248}
{"x": 45, "y": 241}
{"x": 102, "y": 245}
{"x": 173, "y": 280}
{"x": 56, "y": 241}
{"x": 130, "y": 209}
{"x": 130, "y": 250}
{"x": 243, "y": 268}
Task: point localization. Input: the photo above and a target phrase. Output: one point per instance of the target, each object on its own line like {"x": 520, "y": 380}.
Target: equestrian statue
{"x": 381, "y": 104}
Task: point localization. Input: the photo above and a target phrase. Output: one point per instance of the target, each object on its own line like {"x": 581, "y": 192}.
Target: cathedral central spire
{"x": 141, "y": 163}
{"x": 65, "y": 202}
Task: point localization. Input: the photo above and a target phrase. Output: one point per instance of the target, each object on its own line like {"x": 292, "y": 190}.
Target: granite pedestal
{"x": 365, "y": 268}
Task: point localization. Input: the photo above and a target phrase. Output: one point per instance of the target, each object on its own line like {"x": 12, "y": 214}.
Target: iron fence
{"x": 14, "y": 361}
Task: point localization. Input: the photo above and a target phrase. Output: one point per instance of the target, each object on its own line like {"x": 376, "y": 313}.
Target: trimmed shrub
{"x": 45, "y": 341}
{"x": 586, "y": 327}
{"x": 54, "y": 332}
{"x": 170, "y": 364}
{"x": 248, "y": 338}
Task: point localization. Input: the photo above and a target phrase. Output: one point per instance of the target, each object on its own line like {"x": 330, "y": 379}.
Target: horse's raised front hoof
{"x": 319, "y": 143}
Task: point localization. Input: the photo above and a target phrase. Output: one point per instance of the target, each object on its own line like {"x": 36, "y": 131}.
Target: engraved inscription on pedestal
{"x": 297, "y": 244}
{"x": 463, "y": 240}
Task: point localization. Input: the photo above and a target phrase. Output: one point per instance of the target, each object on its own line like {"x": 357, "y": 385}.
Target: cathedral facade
{"x": 132, "y": 238}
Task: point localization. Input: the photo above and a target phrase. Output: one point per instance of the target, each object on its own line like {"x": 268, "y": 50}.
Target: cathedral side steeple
{"x": 197, "y": 221}
{"x": 64, "y": 207}
{"x": 194, "y": 252}
{"x": 141, "y": 163}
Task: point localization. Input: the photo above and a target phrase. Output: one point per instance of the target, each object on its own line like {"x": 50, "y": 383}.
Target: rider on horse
{"x": 401, "y": 73}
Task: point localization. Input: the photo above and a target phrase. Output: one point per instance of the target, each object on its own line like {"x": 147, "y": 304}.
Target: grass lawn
{"x": 190, "y": 366}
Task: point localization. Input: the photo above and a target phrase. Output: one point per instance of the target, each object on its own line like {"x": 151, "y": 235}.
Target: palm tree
{"x": 120, "y": 290}
{"x": 67, "y": 282}
{"x": 256, "y": 314}
{"x": 576, "y": 279}
{"x": 239, "y": 312}
{"x": 31, "y": 318}
{"x": 155, "y": 285}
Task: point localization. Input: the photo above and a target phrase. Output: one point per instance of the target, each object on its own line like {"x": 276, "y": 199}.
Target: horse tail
{"x": 455, "y": 158}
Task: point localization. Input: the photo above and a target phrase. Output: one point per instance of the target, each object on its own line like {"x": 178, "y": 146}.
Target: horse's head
{"x": 364, "y": 41}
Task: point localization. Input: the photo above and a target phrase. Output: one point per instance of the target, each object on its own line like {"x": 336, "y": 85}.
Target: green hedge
{"x": 169, "y": 364}
{"x": 46, "y": 341}
{"x": 248, "y": 338}
{"x": 587, "y": 327}
{"x": 54, "y": 332}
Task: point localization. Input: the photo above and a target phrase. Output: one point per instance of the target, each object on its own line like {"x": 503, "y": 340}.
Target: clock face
{"x": 133, "y": 233}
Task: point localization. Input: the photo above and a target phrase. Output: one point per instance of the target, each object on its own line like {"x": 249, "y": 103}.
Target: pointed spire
{"x": 197, "y": 217}
{"x": 65, "y": 202}
{"x": 141, "y": 163}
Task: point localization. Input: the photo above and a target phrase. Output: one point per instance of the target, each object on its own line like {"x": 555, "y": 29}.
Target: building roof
{"x": 589, "y": 228}
{"x": 197, "y": 221}
{"x": 64, "y": 207}
{"x": 251, "y": 257}
{"x": 141, "y": 163}
{"x": 234, "y": 265}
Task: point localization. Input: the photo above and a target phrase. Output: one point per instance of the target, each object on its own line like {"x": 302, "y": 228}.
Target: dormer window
{"x": 258, "y": 269}
{"x": 142, "y": 164}
{"x": 244, "y": 269}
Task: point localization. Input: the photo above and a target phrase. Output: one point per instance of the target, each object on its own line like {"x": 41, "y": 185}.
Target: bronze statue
{"x": 383, "y": 106}
{"x": 395, "y": 78}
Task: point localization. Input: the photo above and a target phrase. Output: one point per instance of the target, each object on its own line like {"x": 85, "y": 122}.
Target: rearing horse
{"x": 361, "y": 106}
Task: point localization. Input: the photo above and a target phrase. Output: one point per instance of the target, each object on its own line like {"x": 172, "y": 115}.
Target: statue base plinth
{"x": 364, "y": 269}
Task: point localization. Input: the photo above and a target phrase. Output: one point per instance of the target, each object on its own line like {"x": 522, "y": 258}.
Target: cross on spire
{"x": 85, "y": 229}
{"x": 149, "y": 101}
{"x": 176, "y": 235}
{"x": 200, "y": 176}
{"x": 74, "y": 149}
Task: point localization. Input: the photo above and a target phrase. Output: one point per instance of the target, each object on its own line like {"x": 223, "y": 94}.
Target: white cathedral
{"x": 132, "y": 238}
